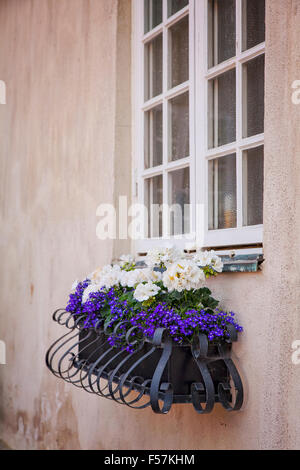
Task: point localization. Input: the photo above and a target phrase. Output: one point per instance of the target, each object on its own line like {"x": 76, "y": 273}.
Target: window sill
{"x": 250, "y": 263}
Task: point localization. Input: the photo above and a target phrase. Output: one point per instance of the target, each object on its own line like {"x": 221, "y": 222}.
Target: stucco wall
{"x": 64, "y": 149}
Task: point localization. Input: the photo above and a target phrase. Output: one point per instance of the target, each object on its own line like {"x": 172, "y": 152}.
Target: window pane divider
{"x": 177, "y": 16}
{"x": 221, "y": 151}
{"x": 154, "y": 171}
{"x": 178, "y": 90}
{"x": 230, "y": 64}
{"x": 178, "y": 164}
{"x": 238, "y": 26}
{"x": 239, "y": 188}
{"x": 153, "y": 33}
{"x": 166, "y": 120}
{"x": 252, "y": 53}
{"x": 239, "y": 117}
{"x": 251, "y": 142}
{"x": 170, "y": 166}
{"x": 192, "y": 114}
{"x": 243, "y": 144}
{"x": 152, "y": 103}
{"x": 221, "y": 68}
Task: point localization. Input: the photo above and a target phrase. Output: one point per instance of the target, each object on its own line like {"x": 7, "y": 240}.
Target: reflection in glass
{"x": 153, "y": 14}
{"x": 222, "y": 193}
{"x": 153, "y": 201}
{"x": 175, "y": 5}
{"x": 222, "y": 109}
{"x": 153, "y": 137}
{"x": 179, "y": 110}
{"x": 179, "y": 56}
{"x": 180, "y": 201}
{"x": 253, "y": 96}
{"x": 221, "y": 31}
{"x": 253, "y": 23}
{"x": 253, "y": 186}
{"x": 153, "y": 67}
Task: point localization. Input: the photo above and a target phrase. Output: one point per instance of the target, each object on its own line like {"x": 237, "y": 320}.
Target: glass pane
{"x": 222, "y": 109}
{"x": 153, "y": 68}
{"x": 253, "y": 23}
{"x": 153, "y": 14}
{"x": 253, "y": 101}
{"x": 179, "y": 53}
{"x": 253, "y": 186}
{"x": 180, "y": 201}
{"x": 222, "y": 193}
{"x": 176, "y": 5}
{"x": 153, "y": 137}
{"x": 180, "y": 137}
{"x": 221, "y": 31}
{"x": 154, "y": 200}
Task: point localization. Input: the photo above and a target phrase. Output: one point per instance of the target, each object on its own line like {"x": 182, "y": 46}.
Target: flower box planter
{"x": 158, "y": 374}
{"x": 150, "y": 337}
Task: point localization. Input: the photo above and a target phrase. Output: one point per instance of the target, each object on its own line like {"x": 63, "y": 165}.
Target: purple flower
{"x": 107, "y": 306}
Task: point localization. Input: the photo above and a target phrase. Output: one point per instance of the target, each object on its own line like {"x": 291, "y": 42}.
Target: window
{"x": 199, "y": 119}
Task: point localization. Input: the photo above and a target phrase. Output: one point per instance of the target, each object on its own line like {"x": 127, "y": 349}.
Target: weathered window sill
{"x": 242, "y": 263}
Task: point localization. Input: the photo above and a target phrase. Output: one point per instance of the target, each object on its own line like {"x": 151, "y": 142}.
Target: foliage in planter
{"x": 170, "y": 293}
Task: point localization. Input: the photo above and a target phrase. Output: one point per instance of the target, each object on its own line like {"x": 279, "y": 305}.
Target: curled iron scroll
{"x": 225, "y": 388}
{"x": 200, "y": 352}
{"x": 162, "y": 339}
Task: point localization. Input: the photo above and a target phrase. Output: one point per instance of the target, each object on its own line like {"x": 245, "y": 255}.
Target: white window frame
{"x": 200, "y": 154}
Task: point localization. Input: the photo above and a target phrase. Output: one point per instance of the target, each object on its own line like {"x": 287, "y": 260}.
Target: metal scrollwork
{"x": 147, "y": 377}
{"x": 200, "y": 352}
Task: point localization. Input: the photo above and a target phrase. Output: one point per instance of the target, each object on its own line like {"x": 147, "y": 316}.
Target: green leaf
{"x": 106, "y": 323}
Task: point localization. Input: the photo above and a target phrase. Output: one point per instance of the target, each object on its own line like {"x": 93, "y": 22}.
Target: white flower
{"x": 126, "y": 260}
{"x": 74, "y": 285}
{"x": 209, "y": 258}
{"x": 183, "y": 275}
{"x": 129, "y": 278}
{"x": 136, "y": 276}
{"x": 91, "y": 288}
{"x": 203, "y": 258}
{"x": 162, "y": 256}
{"x": 144, "y": 292}
{"x": 95, "y": 275}
{"x": 110, "y": 276}
{"x": 107, "y": 276}
{"x": 154, "y": 276}
{"x": 217, "y": 264}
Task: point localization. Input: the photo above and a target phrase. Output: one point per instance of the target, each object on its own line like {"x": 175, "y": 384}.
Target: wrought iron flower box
{"x": 159, "y": 373}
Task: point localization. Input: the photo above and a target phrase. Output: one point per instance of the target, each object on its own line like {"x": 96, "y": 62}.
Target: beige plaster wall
{"x": 64, "y": 149}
